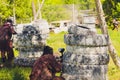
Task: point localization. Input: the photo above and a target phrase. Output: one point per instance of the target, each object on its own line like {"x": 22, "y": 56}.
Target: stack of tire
{"x": 86, "y": 55}
{"x": 30, "y": 42}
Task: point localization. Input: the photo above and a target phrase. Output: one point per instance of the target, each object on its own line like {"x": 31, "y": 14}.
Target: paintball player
{"x": 46, "y": 66}
{"x": 6, "y": 32}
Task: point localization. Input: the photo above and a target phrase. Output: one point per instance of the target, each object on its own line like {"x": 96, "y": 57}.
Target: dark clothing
{"x": 45, "y": 68}
{"x": 5, "y": 36}
{"x": 6, "y": 32}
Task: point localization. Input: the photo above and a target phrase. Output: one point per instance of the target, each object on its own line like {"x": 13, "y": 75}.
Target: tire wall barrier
{"x": 86, "y": 55}
{"x": 30, "y": 42}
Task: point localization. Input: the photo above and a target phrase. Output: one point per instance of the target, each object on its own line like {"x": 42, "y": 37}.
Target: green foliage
{"x": 112, "y": 10}
{"x": 83, "y": 4}
{"x": 5, "y": 10}
{"x": 54, "y": 2}
{"x": 23, "y": 10}
{"x": 55, "y": 12}
{"x": 52, "y": 9}
{"x": 69, "y": 1}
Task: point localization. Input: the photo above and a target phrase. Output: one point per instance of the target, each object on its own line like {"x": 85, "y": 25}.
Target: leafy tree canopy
{"x": 52, "y": 9}
{"x": 111, "y": 9}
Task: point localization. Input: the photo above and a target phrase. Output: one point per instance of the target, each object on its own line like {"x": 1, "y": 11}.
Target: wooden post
{"x": 104, "y": 30}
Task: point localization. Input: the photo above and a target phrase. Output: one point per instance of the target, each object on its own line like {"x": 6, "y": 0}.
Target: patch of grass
{"x": 115, "y": 37}
{"x": 15, "y": 73}
{"x": 56, "y": 41}
{"x": 113, "y": 71}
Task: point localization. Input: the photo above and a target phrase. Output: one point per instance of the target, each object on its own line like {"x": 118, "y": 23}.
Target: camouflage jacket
{"x": 45, "y": 68}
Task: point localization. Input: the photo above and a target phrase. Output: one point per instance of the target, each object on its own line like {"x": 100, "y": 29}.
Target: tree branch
{"x": 104, "y": 30}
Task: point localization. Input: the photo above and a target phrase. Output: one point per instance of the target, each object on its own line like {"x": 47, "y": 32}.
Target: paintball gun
{"x": 61, "y": 50}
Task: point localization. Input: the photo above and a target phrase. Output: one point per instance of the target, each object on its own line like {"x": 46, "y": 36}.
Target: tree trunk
{"x": 33, "y": 9}
{"x": 39, "y": 9}
{"x": 104, "y": 30}
{"x": 14, "y": 17}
